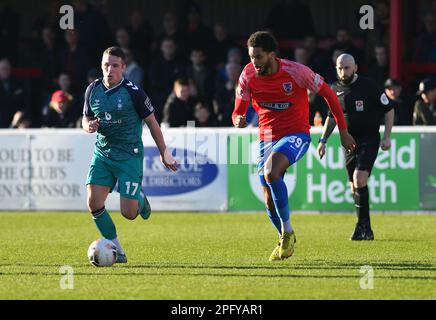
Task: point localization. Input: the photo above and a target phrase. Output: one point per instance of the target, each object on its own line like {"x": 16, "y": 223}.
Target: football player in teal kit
{"x": 115, "y": 108}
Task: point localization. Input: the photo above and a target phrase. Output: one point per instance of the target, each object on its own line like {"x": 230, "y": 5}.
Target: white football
{"x": 102, "y": 253}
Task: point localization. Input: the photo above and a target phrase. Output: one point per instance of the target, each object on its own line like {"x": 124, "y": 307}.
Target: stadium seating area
{"x": 50, "y": 67}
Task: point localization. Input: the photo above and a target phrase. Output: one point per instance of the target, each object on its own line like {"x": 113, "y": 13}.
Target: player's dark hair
{"x": 169, "y": 38}
{"x": 182, "y": 82}
{"x": 115, "y": 51}
{"x": 264, "y": 40}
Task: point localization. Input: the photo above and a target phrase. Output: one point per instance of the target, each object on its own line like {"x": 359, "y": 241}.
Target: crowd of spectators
{"x": 190, "y": 70}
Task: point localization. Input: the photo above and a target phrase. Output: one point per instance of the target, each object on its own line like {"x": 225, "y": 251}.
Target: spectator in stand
{"x": 12, "y": 97}
{"x": 74, "y": 60}
{"x": 330, "y": 74}
{"x": 10, "y": 29}
{"x": 71, "y": 111}
{"x": 344, "y": 42}
{"x": 49, "y": 18}
{"x": 198, "y": 35}
{"x": 290, "y": 19}
{"x": 425, "y": 48}
{"x": 202, "y": 75}
{"x": 179, "y": 108}
{"x": 318, "y": 109}
{"x": 141, "y": 36}
{"x": 226, "y": 82}
{"x": 424, "y": 113}
{"x": 380, "y": 34}
{"x": 379, "y": 69}
{"x": 48, "y": 56}
{"x": 301, "y": 55}
{"x": 122, "y": 38}
{"x": 235, "y": 55}
{"x": 93, "y": 27}
{"x": 203, "y": 116}
{"x": 133, "y": 71}
{"x": 93, "y": 74}
{"x": 60, "y": 111}
{"x": 317, "y": 58}
{"x": 21, "y": 120}
{"x": 164, "y": 70}
{"x": 172, "y": 29}
{"x": 403, "y": 105}
{"x": 221, "y": 45}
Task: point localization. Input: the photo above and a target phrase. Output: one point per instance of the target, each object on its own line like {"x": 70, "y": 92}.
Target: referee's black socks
{"x": 361, "y": 202}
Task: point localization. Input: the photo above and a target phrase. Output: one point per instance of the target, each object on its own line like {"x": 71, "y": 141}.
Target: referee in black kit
{"x": 364, "y": 105}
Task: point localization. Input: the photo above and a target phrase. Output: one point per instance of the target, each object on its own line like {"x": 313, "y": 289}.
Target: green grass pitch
{"x": 218, "y": 256}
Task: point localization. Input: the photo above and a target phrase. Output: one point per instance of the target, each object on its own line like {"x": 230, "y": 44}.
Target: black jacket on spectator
{"x": 49, "y": 62}
{"x": 12, "y": 99}
{"x": 224, "y": 101}
{"x": 163, "y": 73}
{"x": 200, "y": 37}
{"x": 378, "y": 73}
{"x": 403, "y": 108}
{"x": 52, "y": 119}
{"x": 425, "y": 48}
{"x": 75, "y": 63}
{"x": 203, "y": 81}
{"x": 177, "y": 112}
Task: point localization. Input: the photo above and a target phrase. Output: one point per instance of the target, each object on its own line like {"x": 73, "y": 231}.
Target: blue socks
{"x": 275, "y": 219}
{"x": 104, "y": 223}
{"x": 279, "y": 194}
{"x": 280, "y": 197}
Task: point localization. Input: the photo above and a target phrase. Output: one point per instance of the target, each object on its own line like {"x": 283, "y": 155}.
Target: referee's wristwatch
{"x": 322, "y": 140}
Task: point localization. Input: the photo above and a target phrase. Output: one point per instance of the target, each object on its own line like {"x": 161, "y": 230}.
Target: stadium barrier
{"x": 45, "y": 169}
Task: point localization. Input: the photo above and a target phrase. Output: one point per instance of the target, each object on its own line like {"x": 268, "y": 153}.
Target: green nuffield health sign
{"x": 322, "y": 185}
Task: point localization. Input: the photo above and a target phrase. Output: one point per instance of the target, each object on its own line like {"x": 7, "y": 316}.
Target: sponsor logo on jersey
{"x": 287, "y": 86}
{"x": 359, "y": 105}
{"x": 340, "y": 93}
{"x": 384, "y": 99}
{"x": 275, "y": 105}
{"x": 96, "y": 102}
{"x": 131, "y": 85}
{"x": 107, "y": 116}
{"x": 148, "y": 104}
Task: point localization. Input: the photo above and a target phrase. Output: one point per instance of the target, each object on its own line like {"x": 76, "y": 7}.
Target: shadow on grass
{"x": 283, "y": 265}
{"x": 242, "y": 271}
{"x": 220, "y": 275}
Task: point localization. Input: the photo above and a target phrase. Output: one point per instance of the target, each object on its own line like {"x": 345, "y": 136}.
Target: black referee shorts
{"x": 363, "y": 157}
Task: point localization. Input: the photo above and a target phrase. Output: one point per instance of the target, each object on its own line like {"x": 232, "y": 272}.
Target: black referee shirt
{"x": 364, "y": 105}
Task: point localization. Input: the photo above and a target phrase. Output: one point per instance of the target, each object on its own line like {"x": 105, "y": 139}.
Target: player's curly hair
{"x": 264, "y": 40}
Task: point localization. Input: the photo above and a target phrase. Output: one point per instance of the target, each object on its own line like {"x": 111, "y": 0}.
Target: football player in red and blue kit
{"x": 277, "y": 89}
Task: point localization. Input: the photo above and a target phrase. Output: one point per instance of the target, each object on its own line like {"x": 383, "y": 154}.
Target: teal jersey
{"x": 120, "y": 110}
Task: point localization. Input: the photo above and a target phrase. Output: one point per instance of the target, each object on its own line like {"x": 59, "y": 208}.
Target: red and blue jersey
{"x": 281, "y": 99}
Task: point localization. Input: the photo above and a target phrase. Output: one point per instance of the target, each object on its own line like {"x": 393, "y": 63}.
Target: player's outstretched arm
{"x": 166, "y": 157}
{"x": 238, "y": 115}
{"x": 242, "y": 101}
{"x": 330, "y": 97}
{"x": 89, "y": 124}
{"x": 329, "y": 126}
